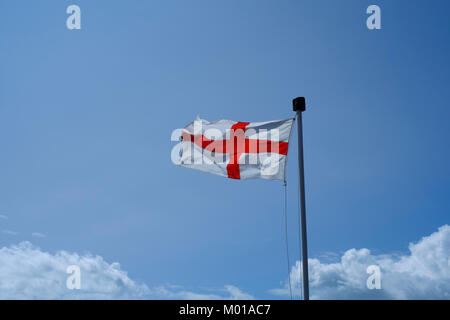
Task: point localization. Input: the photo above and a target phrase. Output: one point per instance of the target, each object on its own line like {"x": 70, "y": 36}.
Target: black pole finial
{"x": 299, "y": 104}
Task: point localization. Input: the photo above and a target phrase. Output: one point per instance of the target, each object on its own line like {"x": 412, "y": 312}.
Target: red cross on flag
{"x": 237, "y": 150}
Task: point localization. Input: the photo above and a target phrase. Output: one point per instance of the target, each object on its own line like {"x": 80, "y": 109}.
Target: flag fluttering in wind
{"x": 237, "y": 150}
{"x": 248, "y": 150}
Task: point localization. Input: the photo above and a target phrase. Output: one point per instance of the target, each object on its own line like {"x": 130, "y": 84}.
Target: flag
{"x": 236, "y": 150}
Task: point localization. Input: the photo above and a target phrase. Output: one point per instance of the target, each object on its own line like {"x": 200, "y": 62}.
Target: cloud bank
{"x": 424, "y": 273}
{"x": 26, "y": 272}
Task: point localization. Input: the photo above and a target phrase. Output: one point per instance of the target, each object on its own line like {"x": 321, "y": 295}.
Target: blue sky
{"x": 86, "y": 117}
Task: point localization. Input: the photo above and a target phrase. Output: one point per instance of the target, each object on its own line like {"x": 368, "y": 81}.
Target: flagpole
{"x": 299, "y": 106}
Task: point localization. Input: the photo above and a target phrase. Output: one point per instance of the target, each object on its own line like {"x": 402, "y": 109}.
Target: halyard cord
{"x": 286, "y": 235}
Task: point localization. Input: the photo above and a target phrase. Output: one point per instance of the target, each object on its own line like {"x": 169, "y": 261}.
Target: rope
{"x": 286, "y": 238}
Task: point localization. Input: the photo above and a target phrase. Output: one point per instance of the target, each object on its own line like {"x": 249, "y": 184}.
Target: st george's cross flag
{"x": 237, "y": 150}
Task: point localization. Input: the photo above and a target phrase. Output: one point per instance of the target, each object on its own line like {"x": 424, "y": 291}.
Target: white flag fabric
{"x": 237, "y": 150}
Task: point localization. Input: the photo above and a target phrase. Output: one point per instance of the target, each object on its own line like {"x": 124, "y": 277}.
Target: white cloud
{"x": 228, "y": 292}
{"x": 424, "y": 273}
{"x": 38, "y": 235}
{"x": 3, "y": 217}
{"x": 10, "y": 232}
{"x": 26, "y": 272}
